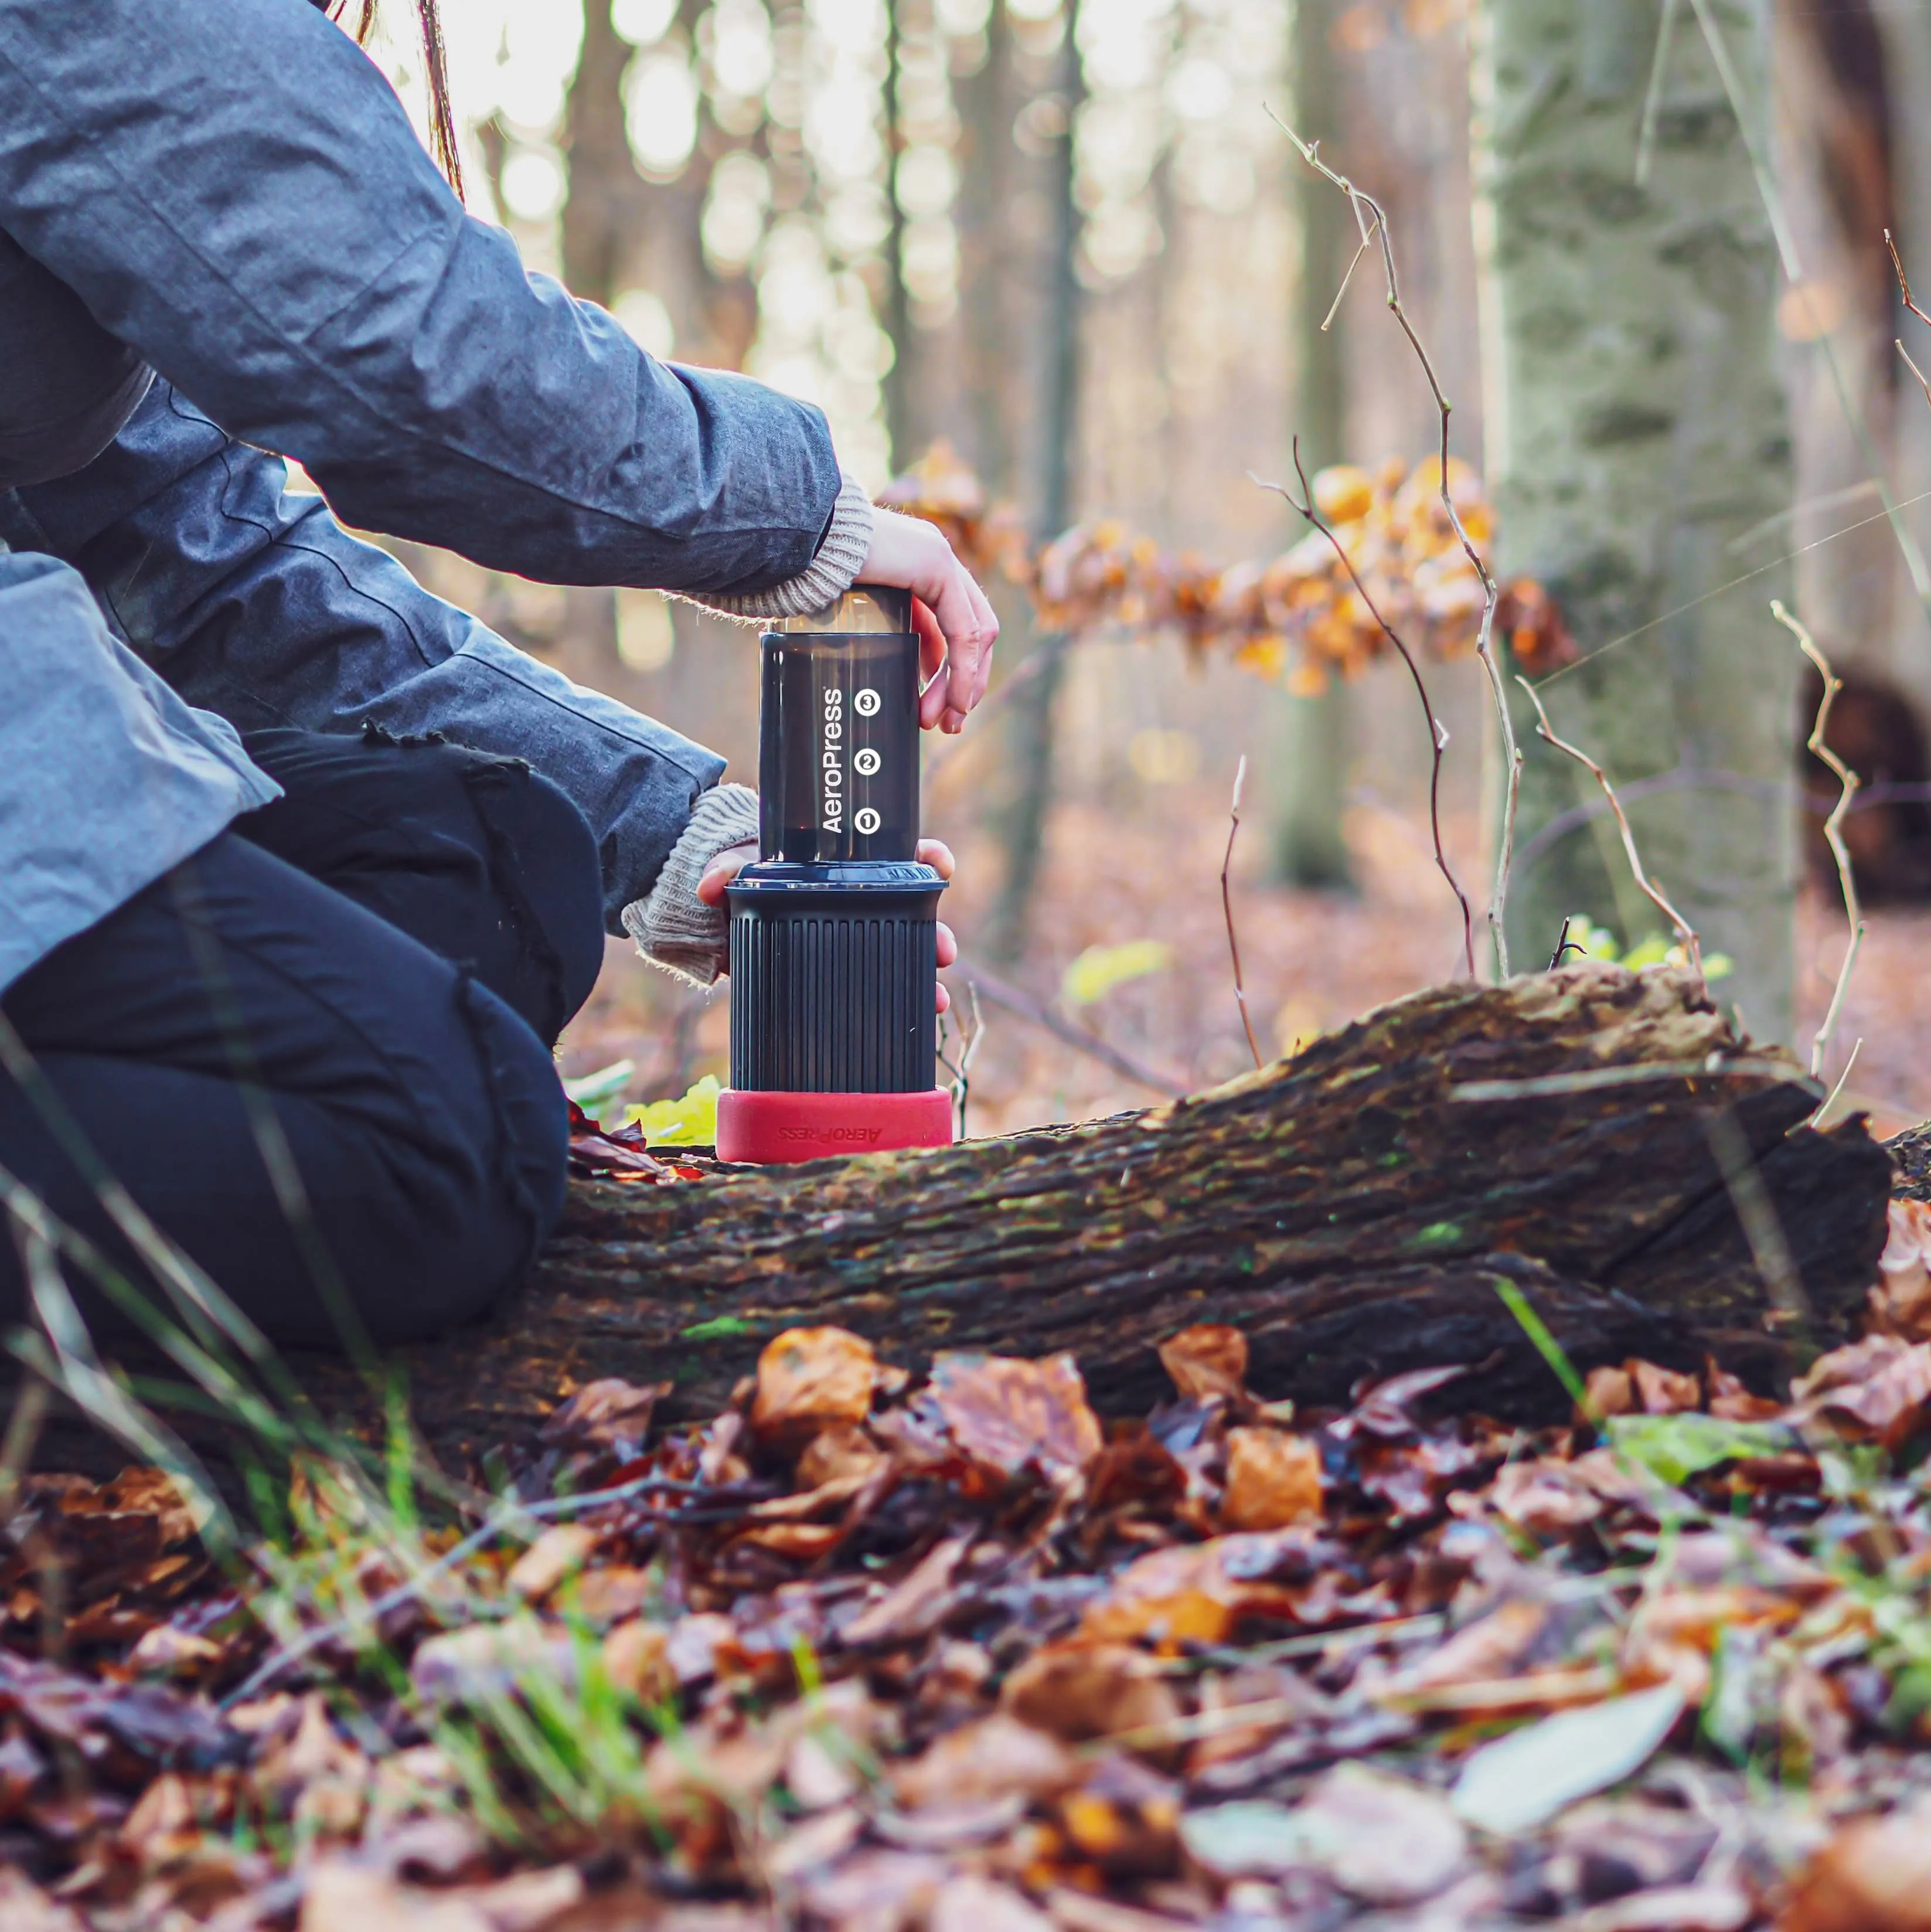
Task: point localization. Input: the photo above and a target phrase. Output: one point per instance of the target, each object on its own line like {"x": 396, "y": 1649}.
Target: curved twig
{"x": 1438, "y": 732}
{"x": 1834, "y": 831}
{"x": 1650, "y": 890}
{"x": 1904, "y": 289}
{"x": 1371, "y": 220}
{"x": 1227, "y": 906}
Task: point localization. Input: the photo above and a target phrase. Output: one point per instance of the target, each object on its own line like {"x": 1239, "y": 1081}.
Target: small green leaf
{"x": 721, "y": 1325}
{"x": 1678, "y": 1447}
{"x": 1439, "y": 1235}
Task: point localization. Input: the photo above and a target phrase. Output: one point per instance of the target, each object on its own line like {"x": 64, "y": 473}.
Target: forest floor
{"x": 891, "y": 1651}
{"x": 939, "y": 1647}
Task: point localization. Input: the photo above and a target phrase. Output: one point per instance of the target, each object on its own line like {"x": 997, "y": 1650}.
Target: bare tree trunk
{"x": 988, "y": 181}
{"x": 1906, "y": 30}
{"x": 1637, "y": 426}
{"x": 1312, "y": 739}
{"x": 1028, "y": 722}
{"x": 897, "y": 317}
{"x": 601, "y": 215}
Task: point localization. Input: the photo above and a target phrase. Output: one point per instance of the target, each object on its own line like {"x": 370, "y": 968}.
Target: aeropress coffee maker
{"x": 834, "y": 931}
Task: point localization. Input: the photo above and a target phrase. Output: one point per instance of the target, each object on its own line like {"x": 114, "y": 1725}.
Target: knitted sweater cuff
{"x": 673, "y": 927}
{"x": 842, "y": 555}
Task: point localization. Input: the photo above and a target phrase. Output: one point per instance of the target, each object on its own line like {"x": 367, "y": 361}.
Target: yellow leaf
{"x": 1100, "y": 968}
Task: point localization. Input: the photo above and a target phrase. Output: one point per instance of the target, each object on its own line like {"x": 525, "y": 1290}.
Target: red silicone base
{"x": 771, "y": 1128}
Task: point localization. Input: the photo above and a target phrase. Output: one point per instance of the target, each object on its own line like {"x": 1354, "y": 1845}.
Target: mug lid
{"x": 873, "y": 607}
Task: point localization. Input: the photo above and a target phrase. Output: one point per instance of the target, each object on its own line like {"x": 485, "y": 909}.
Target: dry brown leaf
{"x": 1900, "y": 1303}
{"x": 165, "y": 1651}
{"x": 1664, "y": 1391}
{"x": 1491, "y": 1646}
{"x": 1210, "y": 1359}
{"x": 1609, "y": 1391}
{"x": 809, "y": 1379}
{"x": 1880, "y": 1388}
{"x": 818, "y": 1842}
{"x": 805, "y": 1542}
{"x": 988, "y": 1758}
{"x": 563, "y": 1548}
{"x": 636, "y": 1660}
{"x": 603, "y": 1596}
{"x": 879, "y": 1891}
{"x": 1008, "y": 1415}
{"x": 970, "y": 1903}
{"x": 1196, "y": 1593}
{"x": 343, "y": 1897}
{"x": 1875, "y": 1876}
{"x": 610, "y": 1415}
{"x": 1082, "y": 1691}
{"x": 911, "y": 1607}
{"x": 839, "y": 1454}
{"x": 25, "y": 1907}
{"x": 1125, "y": 1819}
{"x": 1543, "y": 1497}
{"x": 1273, "y": 1479}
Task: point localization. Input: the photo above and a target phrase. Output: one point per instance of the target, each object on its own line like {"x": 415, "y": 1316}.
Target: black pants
{"x": 376, "y": 966}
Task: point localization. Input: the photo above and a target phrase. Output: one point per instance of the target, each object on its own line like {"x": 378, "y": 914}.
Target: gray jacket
{"x": 232, "y": 192}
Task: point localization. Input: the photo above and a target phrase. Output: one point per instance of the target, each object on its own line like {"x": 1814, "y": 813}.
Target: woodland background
{"x": 1066, "y": 237}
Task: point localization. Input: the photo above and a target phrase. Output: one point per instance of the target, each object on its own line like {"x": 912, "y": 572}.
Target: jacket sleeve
{"x": 257, "y": 606}
{"x": 233, "y": 189}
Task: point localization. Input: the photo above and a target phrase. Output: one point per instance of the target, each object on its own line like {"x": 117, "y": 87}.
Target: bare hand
{"x": 732, "y": 860}
{"x": 955, "y": 624}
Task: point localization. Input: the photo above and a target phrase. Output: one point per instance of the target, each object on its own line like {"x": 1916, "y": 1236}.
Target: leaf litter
{"x": 936, "y": 1647}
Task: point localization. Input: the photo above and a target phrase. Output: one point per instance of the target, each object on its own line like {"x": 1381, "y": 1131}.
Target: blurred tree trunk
{"x": 1906, "y": 32}
{"x": 1312, "y": 739}
{"x": 602, "y": 214}
{"x": 1029, "y": 720}
{"x": 988, "y": 172}
{"x": 897, "y": 317}
{"x": 1637, "y": 426}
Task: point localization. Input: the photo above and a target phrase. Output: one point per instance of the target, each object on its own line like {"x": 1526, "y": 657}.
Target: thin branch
{"x": 1923, "y": 381}
{"x": 1438, "y": 732}
{"x": 1003, "y": 993}
{"x": 1903, "y": 286}
{"x": 1227, "y": 906}
{"x": 1652, "y": 98}
{"x": 1904, "y": 289}
{"x": 962, "y": 1070}
{"x": 1801, "y": 551}
{"x": 1650, "y": 889}
{"x": 1833, "y": 827}
{"x": 1371, "y": 220}
{"x": 1837, "y": 1092}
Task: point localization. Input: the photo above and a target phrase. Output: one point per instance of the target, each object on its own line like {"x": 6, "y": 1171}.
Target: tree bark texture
{"x": 1021, "y": 819}
{"x": 1309, "y": 782}
{"x": 1636, "y": 427}
{"x": 1353, "y": 1209}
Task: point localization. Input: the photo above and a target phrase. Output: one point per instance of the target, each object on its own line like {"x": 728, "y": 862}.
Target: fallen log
{"x": 1354, "y": 1209}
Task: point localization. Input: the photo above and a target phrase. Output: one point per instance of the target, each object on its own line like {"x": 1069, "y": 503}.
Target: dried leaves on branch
{"x": 939, "y": 1649}
{"x": 1298, "y": 617}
